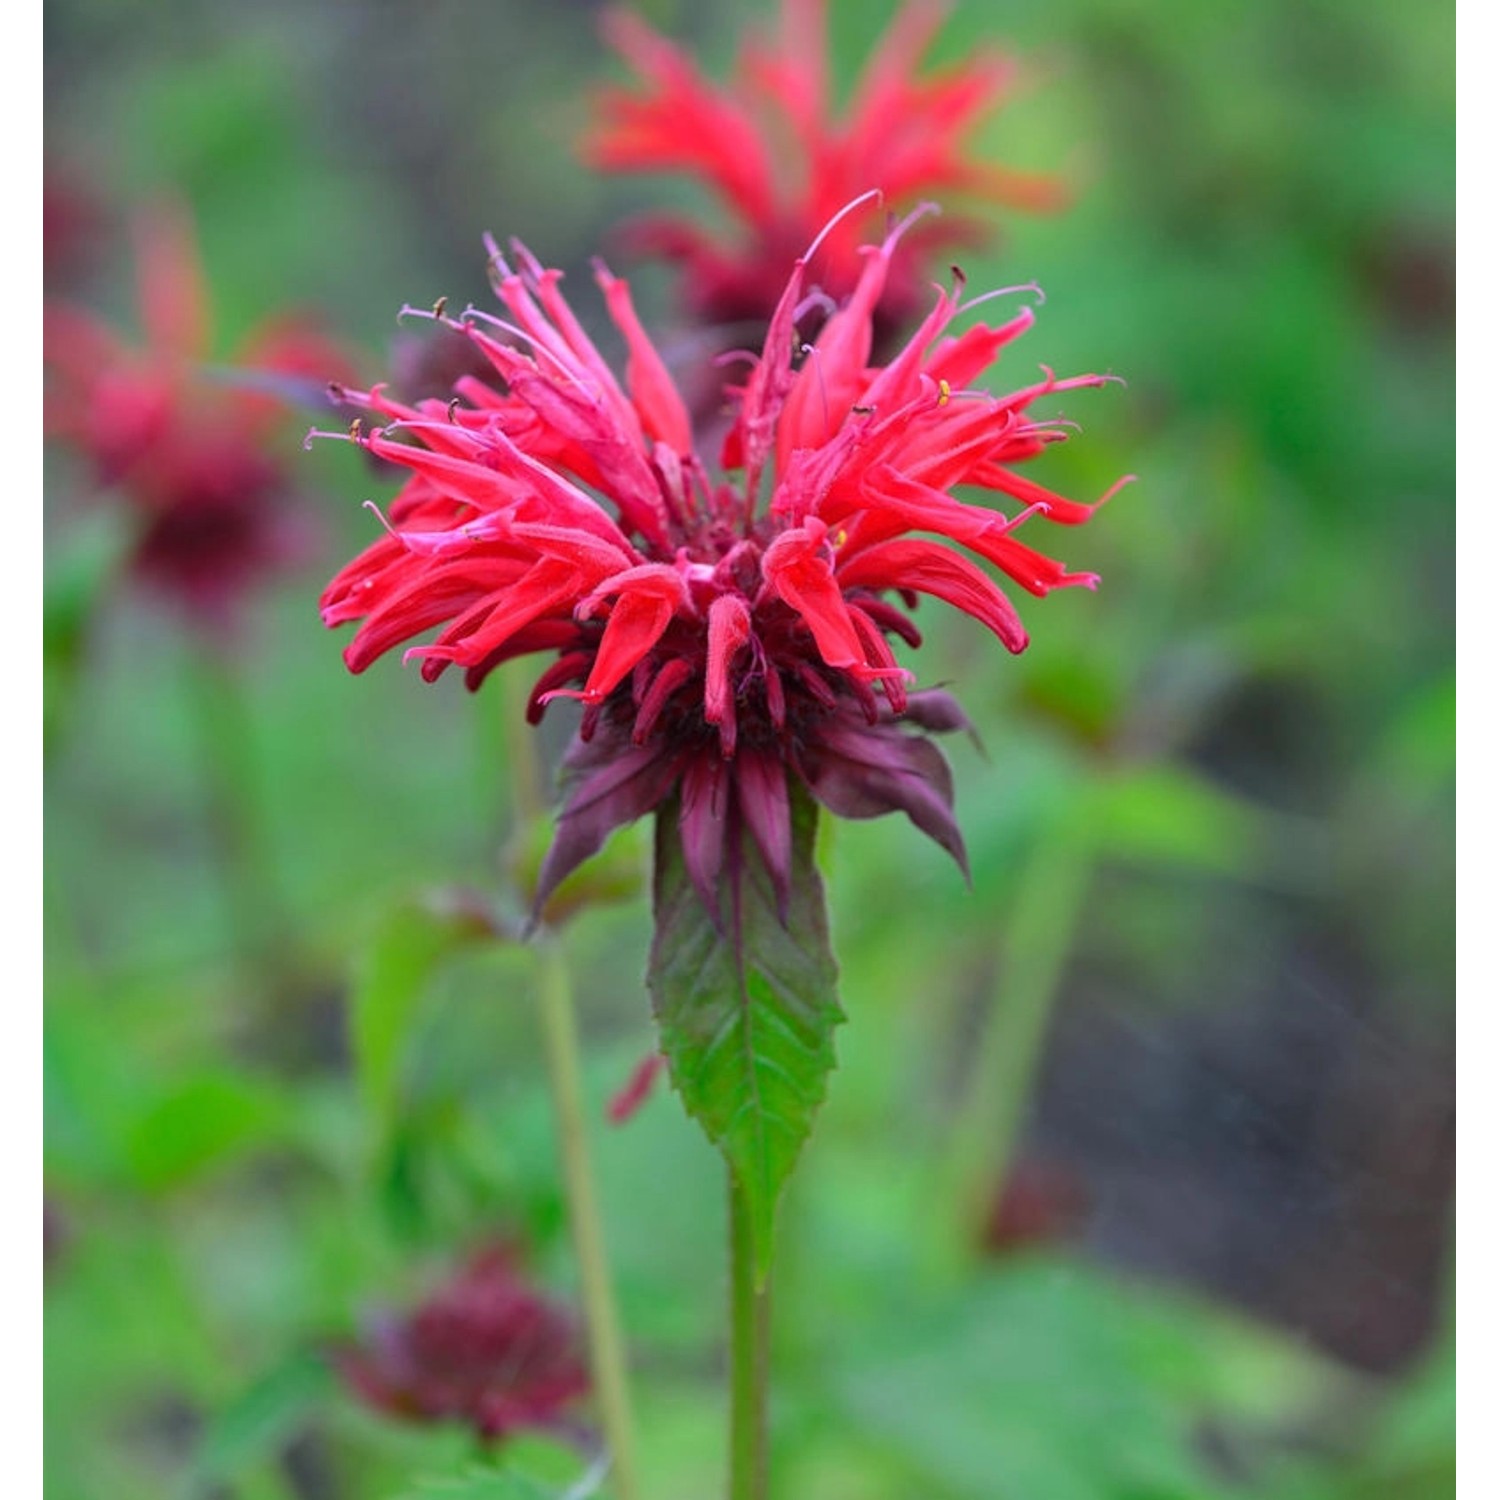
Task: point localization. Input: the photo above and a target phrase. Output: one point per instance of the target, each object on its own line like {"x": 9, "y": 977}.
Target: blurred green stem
{"x": 606, "y": 1346}
{"x": 560, "y": 1027}
{"x": 749, "y": 1357}
{"x": 1039, "y": 933}
{"x": 225, "y": 731}
{"x": 517, "y": 739}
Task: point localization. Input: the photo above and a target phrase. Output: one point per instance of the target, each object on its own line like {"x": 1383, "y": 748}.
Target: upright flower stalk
{"x": 606, "y": 1344}
{"x": 190, "y": 463}
{"x": 1039, "y": 931}
{"x": 729, "y": 636}
{"x": 189, "y": 459}
{"x": 750, "y": 1356}
{"x": 608, "y": 1361}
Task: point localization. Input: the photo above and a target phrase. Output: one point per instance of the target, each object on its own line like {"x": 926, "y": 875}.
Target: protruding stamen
{"x": 1115, "y": 488}
{"x": 570, "y": 667}
{"x": 810, "y": 351}
{"x": 898, "y": 230}
{"x": 531, "y": 268}
{"x": 1037, "y": 508}
{"x": 734, "y": 356}
{"x": 1001, "y": 291}
{"x": 472, "y": 314}
{"x": 873, "y": 196}
{"x": 379, "y": 515}
{"x": 354, "y": 434}
{"x": 495, "y": 267}
{"x": 815, "y": 298}
{"x": 437, "y": 313}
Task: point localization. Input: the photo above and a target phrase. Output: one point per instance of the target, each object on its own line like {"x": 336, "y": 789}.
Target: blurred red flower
{"x": 189, "y": 453}
{"x": 72, "y": 218}
{"x": 485, "y": 1349}
{"x": 1041, "y": 1202}
{"x": 722, "y": 640}
{"x": 782, "y": 159}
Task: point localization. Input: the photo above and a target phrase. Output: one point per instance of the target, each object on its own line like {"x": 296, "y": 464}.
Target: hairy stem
{"x": 606, "y": 1345}
{"x": 749, "y": 1357}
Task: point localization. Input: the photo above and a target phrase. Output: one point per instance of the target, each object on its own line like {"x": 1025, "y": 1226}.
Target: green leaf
{"x": 258, "y": 1423}
{"x": 77, "y": 579}
{"x": 393, "y": 974}
{"x": 746, "y": 1007}
{"x": 1049, "y": 1380}
{"x": 206, "y": 1121}
{"x": 501, "y": 1484}
{"x": 1168, "y": 815}
{"x": 1417, "y": 750}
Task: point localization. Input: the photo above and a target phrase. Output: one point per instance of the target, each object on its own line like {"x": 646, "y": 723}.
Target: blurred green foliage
{"x": 1253, "y": 720}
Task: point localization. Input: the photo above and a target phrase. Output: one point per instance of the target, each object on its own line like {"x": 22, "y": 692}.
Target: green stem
{"x": 1039, "y": 932}
{"x": 749, "y": 1357}
{"x": 607, "y": 1359}
{"x": 226, "y": 751}
{"x": 606, "y": 1345}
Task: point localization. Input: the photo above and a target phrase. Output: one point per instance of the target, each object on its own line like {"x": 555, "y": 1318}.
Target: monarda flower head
{"x": 484, "y": 1349}
{"x": 782, "y": 159}
{"x": 189, "y": 455}
{"x": 730, "y": 638}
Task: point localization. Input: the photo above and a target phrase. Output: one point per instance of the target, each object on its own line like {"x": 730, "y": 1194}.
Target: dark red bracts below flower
{"x": 189, "y": 454}
{"x": 483, "y": 1349}
{"x": 723, "y": 635}
{"x": 902, "y": 134}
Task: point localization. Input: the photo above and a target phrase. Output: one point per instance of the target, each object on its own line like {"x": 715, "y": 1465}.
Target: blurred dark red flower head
{"x": 782, "y": 158}
{"x": 72, "y": 221}
{"x": 1042, "y": 1201}
{"x": 191, "y": 454}
{"x": 484, "y": 1349}
{"x": 724, "y": 636}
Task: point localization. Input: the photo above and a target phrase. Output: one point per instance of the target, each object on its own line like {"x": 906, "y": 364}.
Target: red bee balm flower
{"x": 719, "y": 645}
{"x": 483, "y": 1349}
{"x": 190, "y": 457}
{"x": 901, "y": 134}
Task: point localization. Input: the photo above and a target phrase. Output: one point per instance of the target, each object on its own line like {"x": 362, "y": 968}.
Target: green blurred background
{"x": 1135, "y": 1178}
